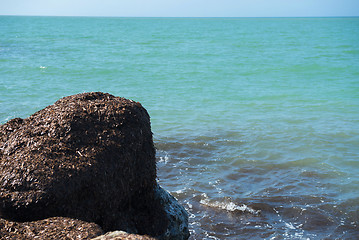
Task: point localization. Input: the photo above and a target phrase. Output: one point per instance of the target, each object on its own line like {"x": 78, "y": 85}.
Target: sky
{"x": 182, "y": 8}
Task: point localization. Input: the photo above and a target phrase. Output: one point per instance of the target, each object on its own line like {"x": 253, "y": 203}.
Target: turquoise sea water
{"x": 255, "y": 120}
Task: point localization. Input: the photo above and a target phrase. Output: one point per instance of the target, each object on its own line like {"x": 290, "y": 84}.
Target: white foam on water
{"x": 290, "y": 226}
{"x": 179, "y": 191}
{"x": 229, "y": 206}
{"x": 164, "y": 159}
{"x": 210, "y": 237}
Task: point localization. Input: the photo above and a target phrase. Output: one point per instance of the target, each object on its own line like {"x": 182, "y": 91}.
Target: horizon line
{"x": 108, "y": 16}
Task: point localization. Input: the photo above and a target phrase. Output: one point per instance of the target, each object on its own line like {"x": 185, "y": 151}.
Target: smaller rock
{"x": 177, "y": 216}
{"x": 120, "y": 235}
{"x": 177, "y": 228}
{"x": 50, "y": 228}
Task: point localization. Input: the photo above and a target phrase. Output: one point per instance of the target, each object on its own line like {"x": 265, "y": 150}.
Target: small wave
{"x": 229, "y": 206}
{"x": 163, "y": 159}
{"x": 162, "y": 156}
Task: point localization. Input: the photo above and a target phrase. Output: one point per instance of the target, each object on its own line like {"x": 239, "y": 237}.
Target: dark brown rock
{"x": 51, "y": 228}
{"x": 88, "y": 156}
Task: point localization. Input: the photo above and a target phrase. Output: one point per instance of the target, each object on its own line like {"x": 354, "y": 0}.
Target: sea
{"x": 255, "y": 120}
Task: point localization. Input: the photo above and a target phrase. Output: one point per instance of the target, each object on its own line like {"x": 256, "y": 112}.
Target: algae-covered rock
{"x": 87, "y": 161}
{"x": 51, "y": 228}
{"x": 88, "y": 156}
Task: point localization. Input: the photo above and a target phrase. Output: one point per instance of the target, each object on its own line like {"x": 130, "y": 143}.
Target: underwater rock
{"x": 51, "y": 228}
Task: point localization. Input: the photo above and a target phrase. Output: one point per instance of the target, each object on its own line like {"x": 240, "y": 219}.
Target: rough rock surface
{"x": 80, "y": 166}
{"x": 89, "y": 156}
{"x": 120, "y": 235}
{"x": 51, "y": 228}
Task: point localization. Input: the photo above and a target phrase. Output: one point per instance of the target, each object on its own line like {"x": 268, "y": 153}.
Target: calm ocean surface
{"x": 255, "y": 120}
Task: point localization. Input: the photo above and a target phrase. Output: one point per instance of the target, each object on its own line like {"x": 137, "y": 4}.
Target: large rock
{"x": 51, "y": 228}
{"x": 88, "y": 156}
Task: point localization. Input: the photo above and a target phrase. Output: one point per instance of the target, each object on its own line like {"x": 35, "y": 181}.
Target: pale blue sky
{"x": 181, "y": 8}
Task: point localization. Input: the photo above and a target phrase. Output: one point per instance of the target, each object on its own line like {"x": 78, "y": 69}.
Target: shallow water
{"x": 234, "y": 191}
{"x": 255, "y": 120}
